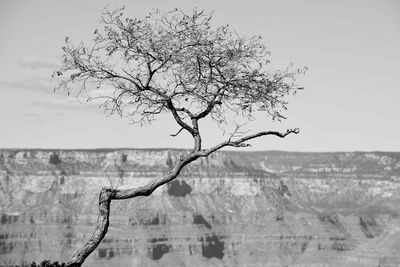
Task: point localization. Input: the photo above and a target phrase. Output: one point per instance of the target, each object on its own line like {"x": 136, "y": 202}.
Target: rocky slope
{"x": 232, "y": 209}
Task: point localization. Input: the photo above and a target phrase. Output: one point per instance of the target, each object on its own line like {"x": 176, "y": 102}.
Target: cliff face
{"x": 232, "y": 209}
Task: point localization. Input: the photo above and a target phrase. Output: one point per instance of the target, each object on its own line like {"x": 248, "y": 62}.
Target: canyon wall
{"x": 231, "y": 209}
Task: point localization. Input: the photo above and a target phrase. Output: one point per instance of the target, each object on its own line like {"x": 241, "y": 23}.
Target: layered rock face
{"x": 231, "y": 209}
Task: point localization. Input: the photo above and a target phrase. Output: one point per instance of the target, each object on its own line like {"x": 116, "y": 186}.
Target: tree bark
{"x": 102, "y": 224}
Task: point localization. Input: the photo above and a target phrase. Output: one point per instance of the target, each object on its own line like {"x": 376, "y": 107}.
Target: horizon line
{"x": 170, "y": 148}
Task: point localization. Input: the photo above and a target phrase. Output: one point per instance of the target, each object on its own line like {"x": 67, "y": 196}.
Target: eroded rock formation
{"x": 231, "y": 209}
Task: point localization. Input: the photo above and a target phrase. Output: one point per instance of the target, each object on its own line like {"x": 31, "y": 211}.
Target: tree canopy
{"x": 173, "y": 62}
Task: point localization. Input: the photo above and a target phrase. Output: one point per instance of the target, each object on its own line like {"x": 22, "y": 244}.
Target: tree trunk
{"x": 108, "y": 194}
{"x": 101, "y": 229}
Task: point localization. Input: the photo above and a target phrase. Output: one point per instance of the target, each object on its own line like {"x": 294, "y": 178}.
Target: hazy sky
{"x": 351, "y": 99}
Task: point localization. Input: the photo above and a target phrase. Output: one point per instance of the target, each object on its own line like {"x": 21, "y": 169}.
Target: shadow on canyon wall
{"x": 231, "y": 209}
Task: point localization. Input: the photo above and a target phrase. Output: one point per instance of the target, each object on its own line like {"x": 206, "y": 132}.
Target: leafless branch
{"x": 173, "y": 135}
{"x": 241, "y": 142}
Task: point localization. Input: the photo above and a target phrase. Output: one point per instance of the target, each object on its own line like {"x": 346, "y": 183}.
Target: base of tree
{"x": 44, "y": 263}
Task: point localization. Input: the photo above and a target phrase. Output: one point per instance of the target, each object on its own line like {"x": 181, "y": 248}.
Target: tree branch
{"x": 241, "y": 142}
{"x": 214, "y": 101}
{"x": 178, "y": 119}
{"x": 185, "y": 110}
{"x": 173, "y": 135}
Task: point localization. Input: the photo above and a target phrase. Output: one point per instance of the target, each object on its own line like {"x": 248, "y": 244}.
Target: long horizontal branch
{"x": 241, "y": 142}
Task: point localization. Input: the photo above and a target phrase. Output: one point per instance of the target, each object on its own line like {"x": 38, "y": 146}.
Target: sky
{"x": 351, "y": 100}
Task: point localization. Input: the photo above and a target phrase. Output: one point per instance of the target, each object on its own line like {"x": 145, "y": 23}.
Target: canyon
{"x": 266, "y": 208}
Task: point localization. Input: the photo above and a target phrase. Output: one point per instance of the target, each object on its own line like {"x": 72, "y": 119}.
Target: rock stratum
{"x": 231, "y": 209}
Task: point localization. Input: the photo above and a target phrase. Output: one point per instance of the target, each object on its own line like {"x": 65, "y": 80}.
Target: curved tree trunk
{"x": 108, "y": 194}
{"x": 101, "y": 230}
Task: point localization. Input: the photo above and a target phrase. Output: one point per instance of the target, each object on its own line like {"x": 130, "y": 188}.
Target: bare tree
{"x": 179, "y": 64}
